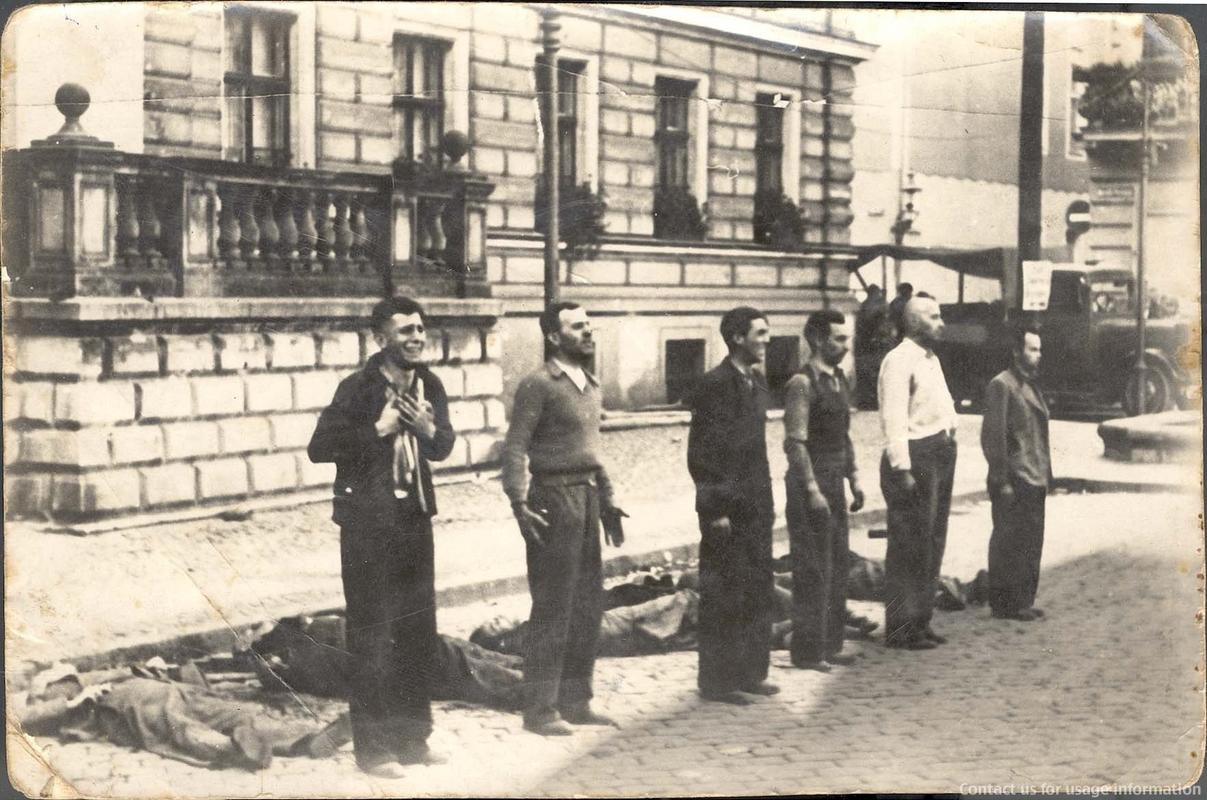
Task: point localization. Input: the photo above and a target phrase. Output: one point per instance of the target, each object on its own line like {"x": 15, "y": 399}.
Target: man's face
{"x": 402, "y": 338}
{"x": 1029, "y": 355}
{"x": 833, "y": 348}
{"x": 928, "y": 321}
{"x": 751, "y": 347}
{"x": 574, "y": 339}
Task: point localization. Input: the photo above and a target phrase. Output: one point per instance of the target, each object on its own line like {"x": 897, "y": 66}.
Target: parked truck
{"x": 1089, "y": 325}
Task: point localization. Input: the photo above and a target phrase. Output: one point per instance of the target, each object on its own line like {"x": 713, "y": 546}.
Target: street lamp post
{"x": 904, "y": 223}
{"x": 549, "y": 38}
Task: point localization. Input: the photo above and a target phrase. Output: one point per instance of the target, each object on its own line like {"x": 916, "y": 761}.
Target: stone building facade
{"x": 183, "y": 303}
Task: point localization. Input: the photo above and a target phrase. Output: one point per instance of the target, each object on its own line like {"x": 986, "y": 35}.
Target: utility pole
{"x": 1030, "y": 142}
{"x": 549, "y": 38}
{"x": 1142, "y": 202}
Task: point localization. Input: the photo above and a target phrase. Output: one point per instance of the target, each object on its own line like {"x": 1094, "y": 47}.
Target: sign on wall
{"x": 1037, "y": 283}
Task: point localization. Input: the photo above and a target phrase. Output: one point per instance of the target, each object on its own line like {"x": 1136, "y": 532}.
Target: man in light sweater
{"x": 555, "y": 428}
{"x": 919, "y": 421}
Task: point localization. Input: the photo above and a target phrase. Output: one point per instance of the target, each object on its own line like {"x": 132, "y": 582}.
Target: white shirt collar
{"x": 576, "y": 374}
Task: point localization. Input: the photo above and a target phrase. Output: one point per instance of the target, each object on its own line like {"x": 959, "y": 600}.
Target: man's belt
{"x": 584, "y": 477}
{"x": 942, "y": 437}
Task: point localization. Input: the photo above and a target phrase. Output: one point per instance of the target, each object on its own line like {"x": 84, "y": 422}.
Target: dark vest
{"x": 829, "y": 414}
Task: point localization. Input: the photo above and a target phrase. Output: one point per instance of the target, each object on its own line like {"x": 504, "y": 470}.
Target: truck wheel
{"x": 1158, "y": 391}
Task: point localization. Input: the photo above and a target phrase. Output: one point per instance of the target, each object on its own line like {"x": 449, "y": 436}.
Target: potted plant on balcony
{"x": 678, "y": 215}
{"x": 1112, "y": 98}
{"x": 778, "y": 222}
{"x": 580, "y": 220}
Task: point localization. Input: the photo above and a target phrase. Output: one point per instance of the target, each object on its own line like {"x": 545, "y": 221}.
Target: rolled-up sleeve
{"x": 797, "y": 395}
{"x": 894, "y": 409}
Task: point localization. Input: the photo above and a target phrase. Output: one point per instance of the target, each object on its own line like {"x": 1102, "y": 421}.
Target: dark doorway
{"x": 684, "y": 366}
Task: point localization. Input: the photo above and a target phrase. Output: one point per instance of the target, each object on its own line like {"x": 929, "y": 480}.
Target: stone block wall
{"x": 182, "y": 101}
{"x": 147, "y": 417}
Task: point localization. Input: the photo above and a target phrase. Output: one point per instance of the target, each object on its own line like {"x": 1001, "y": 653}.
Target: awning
{"x": 989, "y": 263}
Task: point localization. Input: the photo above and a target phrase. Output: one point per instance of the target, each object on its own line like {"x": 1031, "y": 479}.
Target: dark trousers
{"x": 917, "y": 535}
{"x": 1015, "y": 548}
{"x": 820, "y": 548}
{"x": 389, "y": 588}
{"x": 736, "y": 595}
{"x": 565, "y": 579}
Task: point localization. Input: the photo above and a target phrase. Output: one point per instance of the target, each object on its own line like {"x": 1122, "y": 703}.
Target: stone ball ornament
{"x": 455, "y": 145}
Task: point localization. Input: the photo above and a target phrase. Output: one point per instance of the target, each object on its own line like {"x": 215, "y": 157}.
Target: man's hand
{"x": 905, "y": 481}
{"x": 531, "y": 523}
{"x": 817, "y": 502}
{"x": 419, "y": 417}
{"x": 856, "y": 494}
{"x": 610, "y": 517}
{"x": 721, "y": 525}
{"x": 390, "y": 421}
{"x": 94, "y": 692}
{"x": 1005, "y": 493}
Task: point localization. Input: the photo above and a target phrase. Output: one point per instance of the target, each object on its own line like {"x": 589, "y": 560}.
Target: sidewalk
{"x": 81, "y": 597}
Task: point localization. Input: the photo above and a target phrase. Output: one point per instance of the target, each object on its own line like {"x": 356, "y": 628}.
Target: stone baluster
{"x": 250, "y": 239}
{"x": 326, "y": 225}
{"x": 127, "y": 222}
{"x": 308, "y": 232}
{"x": 360, "y": 230}
{"x": 289, "y": 227}
{"x": 431, "y": 228}
{"x": 343, "y": 228}
{"x": 229, "y": 231}
{"x": 270, "y": 233}
{"x": 150, "y": 228}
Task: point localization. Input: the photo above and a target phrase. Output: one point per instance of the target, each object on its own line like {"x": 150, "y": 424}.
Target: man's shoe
{"x": 1038, "y": 612}
{"x": 554, "y": 727}
{"x": 588, "y": 717}
{"x": 914, "y": 643}
{"x": 934, "y": 637}
{"x": 765, "y": 689}
{"x": 388, "y": 770}
{"x": 841, "y": 659}
{"x": 816, "y": 666}
{"x": 420, "y": 753}
{"x": 1022, "y": 615}
{"x": 734, "y": 698}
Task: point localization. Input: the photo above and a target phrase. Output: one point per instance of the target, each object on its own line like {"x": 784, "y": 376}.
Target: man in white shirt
{"x": 919, "y": 422}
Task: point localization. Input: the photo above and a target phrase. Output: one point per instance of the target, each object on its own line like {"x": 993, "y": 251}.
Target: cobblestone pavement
{"x": 1105, "y": 690}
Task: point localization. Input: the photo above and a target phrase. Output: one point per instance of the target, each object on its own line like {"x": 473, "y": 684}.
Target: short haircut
{"x": 1018, "y": 334}
{"x": 551, "y": 317}
{"x": 736, "y": 322}
{"x": 395, "y": 305}
{"x": 820, "y": 323}
{"x": 905, "y": 288}
{"x": 872, "y": 287}
{"x": 925, "y": 295}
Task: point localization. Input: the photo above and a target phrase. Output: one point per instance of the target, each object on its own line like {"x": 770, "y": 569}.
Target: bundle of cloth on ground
{"x": 145, "y": 710}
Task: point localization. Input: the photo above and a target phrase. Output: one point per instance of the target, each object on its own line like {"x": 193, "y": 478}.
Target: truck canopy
{"x": 988, "y": 263}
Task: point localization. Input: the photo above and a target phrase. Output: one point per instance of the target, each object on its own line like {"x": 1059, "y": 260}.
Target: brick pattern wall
{"x": 122, "y": 423}
{"x": 183, "y": 91}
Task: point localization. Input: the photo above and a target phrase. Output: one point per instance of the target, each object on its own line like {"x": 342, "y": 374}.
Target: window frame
{"x": 573, "y": 119}
{"x": 792, "y": 122}
{"x": 432, "y": 51}
{"x": 673, "y": 143}
{"x": 698, "y": 125}
{"x": 244, "y": 83}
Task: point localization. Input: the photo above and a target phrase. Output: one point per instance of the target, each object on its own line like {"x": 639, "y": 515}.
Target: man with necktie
{"x": 386, "y": 422}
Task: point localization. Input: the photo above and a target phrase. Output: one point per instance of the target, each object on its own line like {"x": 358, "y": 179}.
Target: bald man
{"x": 919, "y": 423}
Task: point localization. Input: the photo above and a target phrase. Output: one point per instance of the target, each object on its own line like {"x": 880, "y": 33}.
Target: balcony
{"x": 88, "y": 220}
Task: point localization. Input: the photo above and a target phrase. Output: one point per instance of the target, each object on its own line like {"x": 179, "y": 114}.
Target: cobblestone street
{"x": 1102, "y": 691}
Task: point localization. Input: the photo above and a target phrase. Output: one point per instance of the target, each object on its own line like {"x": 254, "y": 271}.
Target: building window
{"x": 257, "y": 86}
{"x": 570, "y": 76}
{"x": 673, "y": 135}
{"x": 684, "y": 362}
{"x": 419, "y": 96}
{"x": 783, "y": 361}
{"x": 769, "y": 143}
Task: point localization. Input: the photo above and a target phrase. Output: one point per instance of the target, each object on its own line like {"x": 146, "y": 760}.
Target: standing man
{"x": 727, "y": 458}
{"x": 896, "y": 310}
{"x": 871, "y": 323}
{"x": 386, "y": 423}
{"x": 555, "y": 427}
{"x": 919, "y": 423}
{"x": 817, "y": 440}
{"x": 1014, "y": 438}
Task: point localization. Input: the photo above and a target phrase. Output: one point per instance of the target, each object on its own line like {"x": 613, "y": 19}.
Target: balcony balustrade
{"x": 85, "y": 219}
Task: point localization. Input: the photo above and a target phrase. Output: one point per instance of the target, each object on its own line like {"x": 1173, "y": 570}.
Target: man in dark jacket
{"x": 727, "y": 458}
{"x": 1014, "y": 437}
{"x": 386, "y": 423}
